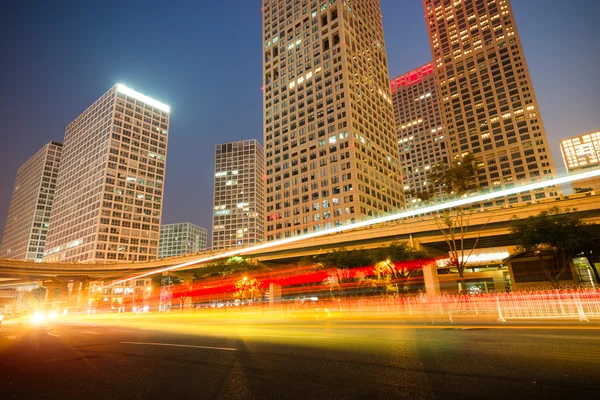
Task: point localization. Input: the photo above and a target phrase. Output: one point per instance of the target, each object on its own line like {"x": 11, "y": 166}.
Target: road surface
{"x": 145, "y": 359}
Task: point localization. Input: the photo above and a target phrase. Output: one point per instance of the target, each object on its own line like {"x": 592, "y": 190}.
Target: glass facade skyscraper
{"x": 421, "y": 134}
{"x": 31, "y": 205}
{"x": 486, "y": 94}
{"x": 330, "y": 144}
{"x": 109, "y": 196}
{"x": 238, "y": 214}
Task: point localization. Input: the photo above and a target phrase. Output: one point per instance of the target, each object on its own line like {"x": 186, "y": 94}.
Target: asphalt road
{"x": 336, "y": 360}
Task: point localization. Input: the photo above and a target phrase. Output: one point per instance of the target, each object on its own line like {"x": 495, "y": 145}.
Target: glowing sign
{"x": 388, "y": 218}
{"x": 138, "y": 96}
{"x": 412, "y": 77}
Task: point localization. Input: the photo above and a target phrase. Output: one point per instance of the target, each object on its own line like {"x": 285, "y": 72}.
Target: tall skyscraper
{"x": 421, "y": 136}
{"x": 30, "y": 205}
{"x": 330, "y": 144}
{"x": 109, "y": 196}
{"x": 486, "y": 94}
{"x": 238, "y": 215}
{"x": 581, "y": 153}
{"x": 180, "y": 239}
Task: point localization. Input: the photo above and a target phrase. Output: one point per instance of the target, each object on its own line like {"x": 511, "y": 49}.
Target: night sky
{"x": 203, "y": 58}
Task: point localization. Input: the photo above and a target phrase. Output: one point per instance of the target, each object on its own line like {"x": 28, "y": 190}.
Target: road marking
{"x": 121, "y": 330}
{"x": 182, "y": 345}
{"x": 91, "y": 333}
{"x": 52, "y": 334}
{"x": 286, "y": 336}
{"x": 12, "y": 337}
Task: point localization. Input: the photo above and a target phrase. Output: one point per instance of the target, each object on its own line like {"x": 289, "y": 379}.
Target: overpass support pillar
{"x": 432, "y": 281}
{"x": 83, "y": 294}
{"x": 57, "y": 293}
{"x": 274, "y": 295}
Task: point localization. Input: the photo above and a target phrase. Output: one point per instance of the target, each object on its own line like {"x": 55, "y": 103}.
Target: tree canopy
{"x": 456, "y": 180}
{"x": 558, "y": 232}
{"x": 227, "y": 267}
{"x": 342, "y": 258}
{"x": 459, "y": 177}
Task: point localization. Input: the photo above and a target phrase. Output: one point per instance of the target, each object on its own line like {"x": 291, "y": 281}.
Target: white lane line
{"x": 52, "y": 334}
{"x": 182, "y": 345}
{"x": 12, "y": 337}
{"x": 91, "y": 333}
{"x": 287, "y": 336}
{"x": 121, "y": 330}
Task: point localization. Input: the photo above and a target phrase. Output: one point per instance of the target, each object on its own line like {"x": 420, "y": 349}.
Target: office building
{"x": 30, "y": 205}
{"x": 486, "y": 94}
{"x": 421, "y": 135}
{"x": 180, "y": 239}
{"x": 330, "y": 144}
{"x": 238, "y": 215}
{"x": 581, "y": 153}
{"x": 108, "y": 201}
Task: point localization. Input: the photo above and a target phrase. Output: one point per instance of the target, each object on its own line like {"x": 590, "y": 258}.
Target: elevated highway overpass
{"x": 420, "y": 232}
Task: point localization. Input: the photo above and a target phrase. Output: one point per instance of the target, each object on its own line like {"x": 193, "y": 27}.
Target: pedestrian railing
{"x": 565, "y": 303}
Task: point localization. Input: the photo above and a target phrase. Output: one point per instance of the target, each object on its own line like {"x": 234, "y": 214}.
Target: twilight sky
{"x": 203, "y": 58}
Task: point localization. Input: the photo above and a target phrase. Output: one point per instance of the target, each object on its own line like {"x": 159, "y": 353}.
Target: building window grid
{"x": 106, "y": 218}
{"x": 238, "y": 195}
{"x": 368, "y": 117}
{"x": 31, "y": 204}
{"x": 180, "y": 239}
{"x": 485, "y": 88}
{"x": 421, "y": 137}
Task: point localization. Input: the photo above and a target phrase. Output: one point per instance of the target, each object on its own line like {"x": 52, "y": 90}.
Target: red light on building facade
{"x": 412, "y": 77}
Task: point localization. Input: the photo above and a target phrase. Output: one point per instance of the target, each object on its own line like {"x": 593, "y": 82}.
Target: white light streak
{"x": 387, "y": 218}
{"x": 141, "y": 97}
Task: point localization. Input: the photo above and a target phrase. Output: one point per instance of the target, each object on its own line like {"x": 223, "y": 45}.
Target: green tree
{"x": 558, "y": 232}
{"x": 395, "y": 252}
{"x": 231, "y": 266}
{"x": 455, "y": 226}
{"x": 249, "y": 289}
{"x": 457, "y": 180}
{"x": 340, "y": 261}
{"x": 425, "y": 196}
